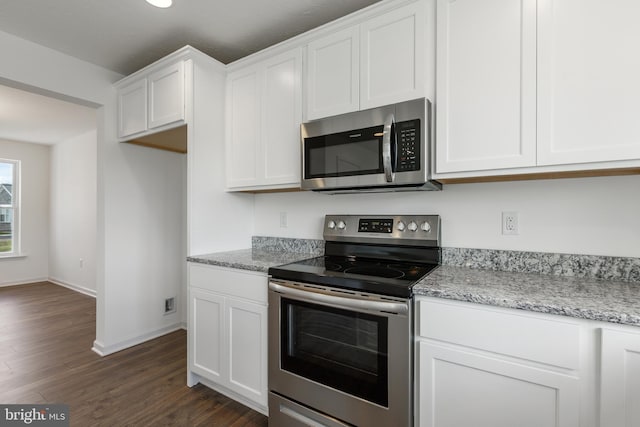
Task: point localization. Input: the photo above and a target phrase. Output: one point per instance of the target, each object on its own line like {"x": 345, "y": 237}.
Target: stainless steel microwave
{"x": 381, "y": 149}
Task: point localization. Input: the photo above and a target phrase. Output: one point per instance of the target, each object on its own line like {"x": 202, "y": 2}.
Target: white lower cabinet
{"x": 206, "y": 326}
{"x": 463, "y": 388}
{"x": 487, "y": 367}
{"x": 620, "y": 378}
{"x": 227, "y": 347}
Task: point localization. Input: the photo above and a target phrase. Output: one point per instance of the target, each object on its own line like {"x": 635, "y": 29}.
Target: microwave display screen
{"x": 344, "y": 154}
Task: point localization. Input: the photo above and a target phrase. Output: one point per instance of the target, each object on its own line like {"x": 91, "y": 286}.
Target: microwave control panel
{"x": 408, "y": 138}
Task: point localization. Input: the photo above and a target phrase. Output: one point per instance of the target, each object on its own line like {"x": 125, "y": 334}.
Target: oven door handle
{"x": 320, "y": 297}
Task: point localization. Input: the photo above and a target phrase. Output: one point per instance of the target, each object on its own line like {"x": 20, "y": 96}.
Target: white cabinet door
{"x": 332, "y": 74}
{"x": 620, "y": 379}
{"x": 264, "y": 112}
{"x": 247, "y": 349}
{"x": 279, "y": 160}
{"x": 485, "y": 84}
{"x": 392, "y": 57}
{"x": 208, "y": 334}
{"x": 166, "y": 95}
{"x": 132, "y": 109}
{"x": 588, "y": 84}
{"x": 243, "y": 127}
{"x": 461, "y": 388}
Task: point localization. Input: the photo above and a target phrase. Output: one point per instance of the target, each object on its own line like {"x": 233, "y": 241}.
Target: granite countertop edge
{"x": 590, "y": 299}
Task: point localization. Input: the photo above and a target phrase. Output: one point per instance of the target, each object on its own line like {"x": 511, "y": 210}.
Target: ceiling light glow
{"x": 161, "y": 3}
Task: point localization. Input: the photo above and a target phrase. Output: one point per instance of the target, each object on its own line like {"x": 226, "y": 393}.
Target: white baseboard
{"x": 73, "y": 287}
{"x": 103, "y": 350}
{"x": 24, "y": 282}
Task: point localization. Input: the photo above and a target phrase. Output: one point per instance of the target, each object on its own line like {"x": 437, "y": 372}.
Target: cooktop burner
{"x": 374, "y": 276}
{"x": 383, "y": 255}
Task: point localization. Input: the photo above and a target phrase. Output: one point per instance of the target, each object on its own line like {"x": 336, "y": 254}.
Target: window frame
{"x": 15, "y": 206}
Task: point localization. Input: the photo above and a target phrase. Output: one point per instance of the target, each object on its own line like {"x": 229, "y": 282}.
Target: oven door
{"x": 340, "y": 354}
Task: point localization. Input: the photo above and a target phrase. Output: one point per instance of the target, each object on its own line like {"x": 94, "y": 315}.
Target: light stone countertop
{"x": 250, "y": 259}
{"x": 585, "y": 298}
{"x": 586, "y": 287}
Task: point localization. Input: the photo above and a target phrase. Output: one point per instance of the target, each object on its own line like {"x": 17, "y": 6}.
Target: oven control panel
{"x": 375, "y": 225}
{"x": 414, "y": 230}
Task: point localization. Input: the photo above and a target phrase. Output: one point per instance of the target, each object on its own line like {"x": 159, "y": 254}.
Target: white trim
{"x": 103, "y": 350}
{"x": 12, "y": 256}
{"x": 16, "y": 193}
{"x": 73, "y": 287}
{"x": 24, "y": 282}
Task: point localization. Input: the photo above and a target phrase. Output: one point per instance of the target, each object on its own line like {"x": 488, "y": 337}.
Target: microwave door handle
{"x": 387, "y": 134}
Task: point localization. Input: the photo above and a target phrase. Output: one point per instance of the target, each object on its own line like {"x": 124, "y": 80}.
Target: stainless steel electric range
{"x": 340, "y": 325}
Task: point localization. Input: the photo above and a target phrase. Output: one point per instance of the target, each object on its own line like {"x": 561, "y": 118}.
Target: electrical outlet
{"x": 81, "y": 263}
{"x": 283, "y": 220}
{"x": 510, "y": 223}
{"x": 170, "y": 305}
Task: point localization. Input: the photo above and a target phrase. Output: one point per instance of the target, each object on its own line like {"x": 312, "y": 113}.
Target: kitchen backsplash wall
{"x": 286, "y": 244}
{"x": 590, "y": 216}
{"x": 569, "y": 265}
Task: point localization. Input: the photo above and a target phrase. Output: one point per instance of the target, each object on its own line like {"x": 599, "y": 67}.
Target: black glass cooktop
{"x": 368, "y": 275}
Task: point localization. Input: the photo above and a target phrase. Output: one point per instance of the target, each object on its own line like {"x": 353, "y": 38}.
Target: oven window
{"x": 343, "y": 349}
{"x": 343, "y": 154}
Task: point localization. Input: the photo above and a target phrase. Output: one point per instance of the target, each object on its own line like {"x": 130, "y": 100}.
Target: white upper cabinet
{"x": 132, "y": 108}
{"x": 392, "y": 56}
{"x": 166, "y": 95}
{"x": 332, "y": 74}
{"x": 588, "y": 83}
{"x": 281, "y": 118}
{"x": 536, "y": 86}
{"x": 243, "y": 126}
{"x": 264, "y": 112}
{"x": 152, "y": 101}
{"x": 485, "y": 84}
{"x": 380, "y": 61}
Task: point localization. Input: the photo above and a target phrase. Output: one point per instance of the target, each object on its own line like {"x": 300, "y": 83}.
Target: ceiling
{"x": 126, "y": 35}
{"x": 27, "y": 117}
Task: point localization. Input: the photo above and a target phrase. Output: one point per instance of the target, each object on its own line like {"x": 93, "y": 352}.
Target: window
{"x": 9, "y": 203}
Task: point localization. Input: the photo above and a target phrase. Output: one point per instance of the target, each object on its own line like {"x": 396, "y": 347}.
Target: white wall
{"x": 73, "y": 213}
{"x": 34, "y": 215}
{"x": 144, "y": 241}
{"x": 595, "y": 216}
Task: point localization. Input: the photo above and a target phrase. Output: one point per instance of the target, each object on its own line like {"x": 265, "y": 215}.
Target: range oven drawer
{"x": 286, "y": 413}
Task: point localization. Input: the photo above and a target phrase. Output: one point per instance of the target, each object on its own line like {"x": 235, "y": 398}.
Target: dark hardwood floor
{"x": 46, "y": 334}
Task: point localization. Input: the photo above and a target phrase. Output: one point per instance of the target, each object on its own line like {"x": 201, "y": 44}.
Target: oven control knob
{"x": 425, "y": 226}
{"x": 331, "y": 225}
{"x": 401, "y": 226}
{"x": 412, "y": 226}
{"x": 341, "y": 225}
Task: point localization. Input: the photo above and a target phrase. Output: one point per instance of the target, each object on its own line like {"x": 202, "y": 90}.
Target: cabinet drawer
{"x": 509, "y": 332}
{"x": 237, "y": 283}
